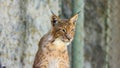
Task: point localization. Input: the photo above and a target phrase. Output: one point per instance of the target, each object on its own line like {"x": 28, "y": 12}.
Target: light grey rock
{"x": 22, "y": 23}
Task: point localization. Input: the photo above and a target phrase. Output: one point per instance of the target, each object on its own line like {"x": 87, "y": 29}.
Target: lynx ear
{"x": 54, "y": 19}
{"x": 74, "y": 18}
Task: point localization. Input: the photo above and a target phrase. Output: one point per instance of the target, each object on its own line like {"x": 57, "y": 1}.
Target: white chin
{"x": 67, "y": 43}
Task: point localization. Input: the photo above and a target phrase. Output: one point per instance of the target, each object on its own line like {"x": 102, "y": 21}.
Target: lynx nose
{"x": 68, "y": 36}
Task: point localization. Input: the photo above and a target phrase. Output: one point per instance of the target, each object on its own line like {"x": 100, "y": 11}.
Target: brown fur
{"x": 52, "y": 51}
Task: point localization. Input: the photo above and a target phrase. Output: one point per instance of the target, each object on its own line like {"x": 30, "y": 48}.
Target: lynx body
{"x": 52, "y": 51}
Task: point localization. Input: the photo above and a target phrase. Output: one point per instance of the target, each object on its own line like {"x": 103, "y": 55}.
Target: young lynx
{"x": 52, "y": 52}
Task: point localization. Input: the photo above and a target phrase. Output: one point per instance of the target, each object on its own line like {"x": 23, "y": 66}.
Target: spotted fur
{"x": 52, "y": 51}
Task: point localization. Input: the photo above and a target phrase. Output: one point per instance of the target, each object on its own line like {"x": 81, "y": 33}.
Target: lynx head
{"x": 64, "y": 29}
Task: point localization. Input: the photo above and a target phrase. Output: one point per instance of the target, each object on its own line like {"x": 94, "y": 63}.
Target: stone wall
{"x": 95, "y": 33}
{"x": 22, "y": 23}
{"x": 113, "y": 38}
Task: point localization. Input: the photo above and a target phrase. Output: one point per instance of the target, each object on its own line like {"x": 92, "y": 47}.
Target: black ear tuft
{"x": 52, "y": 12}
{"x": 54, "y": 20}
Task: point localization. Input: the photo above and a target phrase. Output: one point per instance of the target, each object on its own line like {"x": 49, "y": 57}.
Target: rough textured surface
{"x": 113, "y": 38}
{"x": 22, "y": 24}
{"x": 12, "y": 34}
{"x": 66, "y": 8}
{"x": 95, "y": 20}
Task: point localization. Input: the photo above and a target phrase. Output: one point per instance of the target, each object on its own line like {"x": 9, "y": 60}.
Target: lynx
{"x": 52, "y": 48}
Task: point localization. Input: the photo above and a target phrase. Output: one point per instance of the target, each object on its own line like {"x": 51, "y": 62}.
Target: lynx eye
{"x": 63, "y": 30}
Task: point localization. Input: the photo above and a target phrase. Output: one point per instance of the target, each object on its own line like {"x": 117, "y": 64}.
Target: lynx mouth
{"x": 60, "y": 42}
{"x": 65, "y": 40}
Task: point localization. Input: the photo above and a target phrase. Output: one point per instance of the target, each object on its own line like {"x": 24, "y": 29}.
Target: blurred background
{"x": 97, "y": 39}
